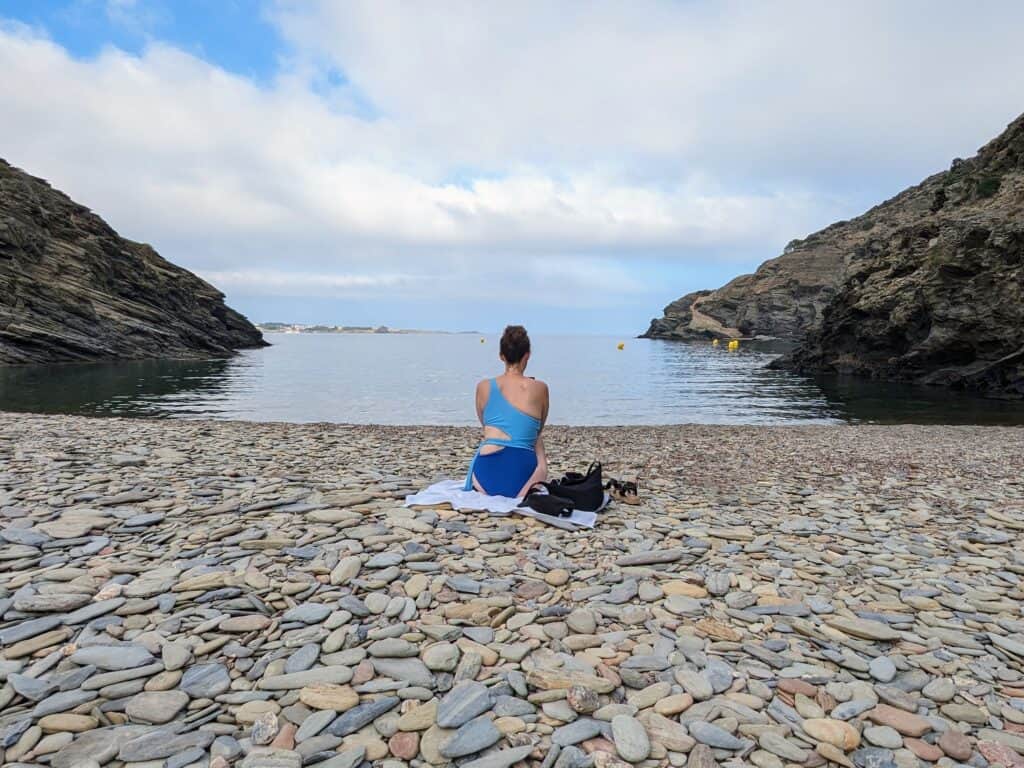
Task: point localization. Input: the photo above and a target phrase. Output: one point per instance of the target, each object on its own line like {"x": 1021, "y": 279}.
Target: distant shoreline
{"x": 353, "y": 329}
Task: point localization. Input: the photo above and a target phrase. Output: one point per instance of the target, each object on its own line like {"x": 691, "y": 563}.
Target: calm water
{"x": 429, "y": 379}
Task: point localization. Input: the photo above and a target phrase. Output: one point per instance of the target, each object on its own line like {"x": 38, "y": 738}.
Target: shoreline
{"x": 254, "y": 593}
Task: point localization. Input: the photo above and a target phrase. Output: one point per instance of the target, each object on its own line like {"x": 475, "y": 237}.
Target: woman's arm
{"x": 481, "y": 400}
{"x": 540, "y": 474}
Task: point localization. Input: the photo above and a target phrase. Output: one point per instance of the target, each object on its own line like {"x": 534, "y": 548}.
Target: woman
{"x": 512, "y": 409}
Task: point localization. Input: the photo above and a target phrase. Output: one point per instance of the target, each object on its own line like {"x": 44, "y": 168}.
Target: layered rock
{"x": 937, "y": 297}
{"x": 927, "y": 287}
{"x": 782, "y": 299}
{"x": 71, "y": 289}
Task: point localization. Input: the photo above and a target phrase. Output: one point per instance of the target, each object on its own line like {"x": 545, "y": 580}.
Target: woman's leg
{"x": 540, "y": 474}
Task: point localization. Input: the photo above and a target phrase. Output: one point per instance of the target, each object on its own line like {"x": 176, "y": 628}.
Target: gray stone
{"x": 113, "y": 657}
{"x": 156, "y": 707}
{"x": 713, "y": 736}
{"x": 314, "y": 724}
{"x": 162, "y": 744}
{"x": 576, "y": 731}
{"x": 502, "y": 758}
{"x": 362, "y": 715}
{"x": 32, "y": 688}
{"x": 472, "y": 737}
{"x": 783, "y": 747}
{"x": 348, "y": 758}
{"x": 302, "y": 659}
{"x": 411, "y": 671}
{"x": 630, "y": 739}
{"x": 62, "y": 702}
{"x": 27, "y": 629}
{"x": 101, "y": 745}
{"x": 882, "y": 669}
{"x": 307, "y": 613}
{"x": 204, "y": 681}
{"x": 883, "y": 736}
{"x": 462, "y": 703}
{"x": 268, "y": 757}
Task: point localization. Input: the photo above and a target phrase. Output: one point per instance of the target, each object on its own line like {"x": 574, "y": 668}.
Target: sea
{"x": 421, "y": 378}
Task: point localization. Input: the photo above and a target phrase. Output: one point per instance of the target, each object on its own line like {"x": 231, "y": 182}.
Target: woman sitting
{"x": 512, "y": 409}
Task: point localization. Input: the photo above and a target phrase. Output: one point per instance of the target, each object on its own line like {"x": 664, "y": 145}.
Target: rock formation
{"x": 937, "y": 295}
{"x": 927, "y": 287}
{"x": 71, "y": 289}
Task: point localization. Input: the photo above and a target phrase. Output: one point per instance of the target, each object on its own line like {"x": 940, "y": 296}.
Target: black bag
{"x": 586, "y": 492}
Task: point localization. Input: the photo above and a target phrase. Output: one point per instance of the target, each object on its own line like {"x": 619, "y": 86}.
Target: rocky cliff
{"x": 71, "y": 289}
{"x": 782, "y": 299}
{"x": 927, "y": 287}
{"x": 936, "y": 294}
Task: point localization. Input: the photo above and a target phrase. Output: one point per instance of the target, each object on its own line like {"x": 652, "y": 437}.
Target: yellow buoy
{"x": 622, "y": 345}
{"x": 734, "y": 344}
{"x": 714, "y": 342}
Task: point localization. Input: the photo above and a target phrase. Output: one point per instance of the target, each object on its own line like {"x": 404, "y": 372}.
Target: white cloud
{"x": 515, "y": 144}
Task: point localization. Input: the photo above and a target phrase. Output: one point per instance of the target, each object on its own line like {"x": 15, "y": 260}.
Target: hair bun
{"x": 515, "y": 344}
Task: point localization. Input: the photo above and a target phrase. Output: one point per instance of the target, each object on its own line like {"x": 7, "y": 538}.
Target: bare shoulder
{"x": 539, "y": 387}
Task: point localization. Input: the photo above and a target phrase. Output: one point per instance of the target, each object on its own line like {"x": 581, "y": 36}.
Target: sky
{"x": 462, "y": 165}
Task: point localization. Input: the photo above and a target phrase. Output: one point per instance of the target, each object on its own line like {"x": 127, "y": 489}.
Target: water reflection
{"x": 138, "y": 388}
{"x": 428, "y": 379}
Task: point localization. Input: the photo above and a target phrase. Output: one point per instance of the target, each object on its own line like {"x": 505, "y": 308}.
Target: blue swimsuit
{"x": 505, "y": 472}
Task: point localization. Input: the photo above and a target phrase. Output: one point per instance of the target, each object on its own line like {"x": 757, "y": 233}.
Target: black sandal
{"x": 624, "y": 491}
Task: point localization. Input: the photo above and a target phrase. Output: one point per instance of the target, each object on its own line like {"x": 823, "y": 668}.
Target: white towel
{"x": 450, "y": 492}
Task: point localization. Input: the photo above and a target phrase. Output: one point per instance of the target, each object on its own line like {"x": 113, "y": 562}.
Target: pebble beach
{"x": 199, "y": 593}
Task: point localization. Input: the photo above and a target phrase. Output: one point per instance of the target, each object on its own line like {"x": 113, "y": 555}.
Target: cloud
{"x": 793, "y": 88}
{"x": 401, "y": 148}
{"x": 554, "y": 282}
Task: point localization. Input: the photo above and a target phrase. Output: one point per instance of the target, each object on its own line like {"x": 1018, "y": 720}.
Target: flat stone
{"x": 654, "y": 557}
{"x": 336, "y": 675}
{"x": 882, "y": 669}
{"x": 630, "y": 739}
{"x": 62, "y": 702}
{"x": 863, "y": 628}
{"x": 576, "y": 732}
{"x": 204, "y": 681}
{"x": 906, "y": 723}
{"x": 307, "y": 613}
{"x": 268, "y": 757}
{"x": 713, "y": 736}
{"x": 838, "y": 733}
{"x": 156, "y": 707}
{"x": 470, "y": 738}
{"x": 112, "y": 657}
{"x": 411, "y": 671}
{"x": 461, "y": 704}
{"x": 940, "y": 690}
{"x": 348, "y": 758}
{"x": 883, "y": 736}
{"x": 362, "y": 715}
{"x": 502, "y": 758}
{"x": 695, "y": 684}
{"x": 156, "y": 745}
{"x": 100, "y": 745}
{"x": 336, "y": 698}
{"x": 251, "y": 623}
{"x": 955, "y": 744}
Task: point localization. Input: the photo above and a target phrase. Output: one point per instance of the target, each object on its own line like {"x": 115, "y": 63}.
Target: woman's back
{"x": 513, "y": 408}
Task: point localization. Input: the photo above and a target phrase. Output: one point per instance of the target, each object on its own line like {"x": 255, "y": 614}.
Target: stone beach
{"x": 195, "y": 593}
